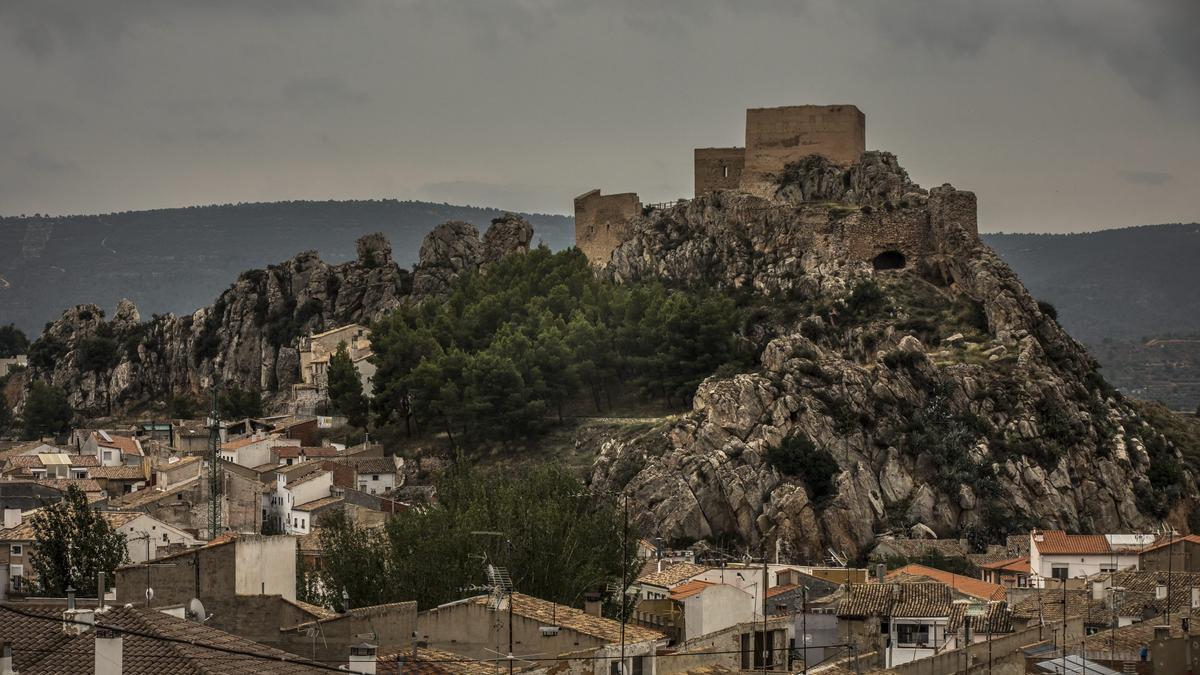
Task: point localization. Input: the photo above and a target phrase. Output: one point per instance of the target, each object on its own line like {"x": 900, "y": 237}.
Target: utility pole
{"x": 804, "y": 623}
{"x": 766, "y": 634}
{"x": 624, "y": 576}
{"x": 214, "y": 465}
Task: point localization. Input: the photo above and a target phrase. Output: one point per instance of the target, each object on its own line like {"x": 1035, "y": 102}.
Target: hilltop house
{"x": 1054, "y": 554}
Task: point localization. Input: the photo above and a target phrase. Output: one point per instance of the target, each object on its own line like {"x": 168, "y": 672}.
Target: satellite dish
{"x": 149, "y": 594}
{"x": 196, "y": 611}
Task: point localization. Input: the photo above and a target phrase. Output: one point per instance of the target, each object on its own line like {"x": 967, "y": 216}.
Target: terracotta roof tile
{"x": 779, "y": 590}
{"x": 928, "y": 599}
{"x": 317, "y": 503}
{"x": 127, "y": 445}
{"x": 1058, "y": 542}
{"x": 977, "y": 588}
{"x": 690, "y": 588}
{"x": 673, "y": 575}
{"x": 1018, "y": 565}
{"x": 117, "y": 472}
{"x": 552, "y": 614}
{"x": 998, "y": 618}
{"x": 1170, "y": 541}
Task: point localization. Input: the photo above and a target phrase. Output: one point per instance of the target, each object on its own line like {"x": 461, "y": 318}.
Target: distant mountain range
{"x": 1121, "y": 284}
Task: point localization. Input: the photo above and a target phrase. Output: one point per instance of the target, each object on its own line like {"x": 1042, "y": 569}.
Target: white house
{"x": 294, "y": 491}
{"x": 113, "y": 450}
{"x": 1054, "y": 554}
{"x": 708, "y": 607}
{"x": 255, "y": 449}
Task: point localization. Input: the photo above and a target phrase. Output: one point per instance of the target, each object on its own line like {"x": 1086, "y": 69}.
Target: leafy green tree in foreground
{"x": 74, "y": 543}
{"x": 47, "y": 412}
{"x": 565, "y": 542}
{"x": 345, "y": 388}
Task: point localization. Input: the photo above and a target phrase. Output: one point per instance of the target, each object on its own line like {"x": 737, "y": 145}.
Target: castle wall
{"x": 718, "y": 168}
{"x": 778, "y": 136}
{"x": 907, "y": 231}
{"x": 948, "y": 205}
{"x": 602, "y": 223}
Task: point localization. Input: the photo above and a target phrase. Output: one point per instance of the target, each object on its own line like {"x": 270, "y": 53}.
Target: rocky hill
{"x": 175, "y": 260}
{"x": 943, "y": 392}
{"x": 939, "y": 393}
{"x": 247, "y": 337}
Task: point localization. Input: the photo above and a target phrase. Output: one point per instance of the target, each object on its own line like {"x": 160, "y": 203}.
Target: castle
{"x": 775, "y": 139}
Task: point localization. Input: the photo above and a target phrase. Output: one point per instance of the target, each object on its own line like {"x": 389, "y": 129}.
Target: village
{"x": 220, "y": 519}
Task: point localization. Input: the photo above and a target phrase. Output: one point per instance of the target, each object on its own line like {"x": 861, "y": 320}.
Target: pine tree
{"x": 74, "y": 543}
{"x": 345, "y": 388}
{"x": 47, "y": 411}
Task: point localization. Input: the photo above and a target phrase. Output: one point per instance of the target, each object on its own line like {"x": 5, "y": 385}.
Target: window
{"x": 108, "y": 455}
{"x": 16, "y": 572}
{"x": 638, "y": 665}
{"x": 1059, "y": 572}
{"x": 1108, "y": 567}
{"x": 15, "y": 549}
{"x": 908, "y": 634}
{"x": 724, "y": 172}
{"x": 375, "y": 476}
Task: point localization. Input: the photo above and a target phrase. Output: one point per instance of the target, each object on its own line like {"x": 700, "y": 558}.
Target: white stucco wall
{"x": 265, "y": 565}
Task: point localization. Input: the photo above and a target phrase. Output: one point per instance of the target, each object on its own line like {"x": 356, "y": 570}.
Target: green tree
{"x": 47, "y": 412}
{"x": 399, "y": 342}
{"x": 797, "y": 455}
{"x": 74, "y": 543}
{"x": 564, "y": 542}
{"x": 12, "y": 341}
{"x": 6, "y": 416}
{"x": 345, "y": 388}
{"x": 98, "y": 354}
{"x": 182, "y": 408}
{"x": 238, "y": 403}
{"x": 45, "y": 352}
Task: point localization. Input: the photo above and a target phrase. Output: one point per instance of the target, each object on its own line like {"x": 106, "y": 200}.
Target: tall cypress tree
{"x": 345, "y": 388}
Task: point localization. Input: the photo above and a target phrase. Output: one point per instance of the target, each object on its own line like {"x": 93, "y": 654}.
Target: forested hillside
{"x": 1120, "y": 284}
{"x": 176, "y": 260}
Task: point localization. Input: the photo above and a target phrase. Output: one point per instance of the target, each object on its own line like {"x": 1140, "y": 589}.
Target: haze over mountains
{"x": 1121, "y": 284}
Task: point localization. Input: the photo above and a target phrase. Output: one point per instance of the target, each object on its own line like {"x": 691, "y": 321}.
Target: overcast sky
{"x": 1063, "y": 115}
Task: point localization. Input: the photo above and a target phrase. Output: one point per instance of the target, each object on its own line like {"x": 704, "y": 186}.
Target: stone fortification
{"x": 602, "y": 222}
{"x": 777, "y": 137}
{"x": 802, "y": 155}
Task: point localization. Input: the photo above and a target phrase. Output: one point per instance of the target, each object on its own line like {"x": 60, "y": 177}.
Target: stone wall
{"x": 718, "y": 168}
{"x": 602, "y": 222}
{"x": 392, "y": 626}
{"x": 777, "y": 136}
{"x": 948, "y": 205}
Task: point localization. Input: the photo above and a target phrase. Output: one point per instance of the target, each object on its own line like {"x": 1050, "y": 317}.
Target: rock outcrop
{"x": 944, "y": 394}
{"x": 247, "y": 337}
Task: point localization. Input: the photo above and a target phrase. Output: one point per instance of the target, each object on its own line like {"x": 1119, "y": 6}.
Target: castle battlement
{"x": 830, "y": 139}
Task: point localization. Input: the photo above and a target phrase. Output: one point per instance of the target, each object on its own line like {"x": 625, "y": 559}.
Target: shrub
{"x": 797, "y": 456}
{"x": 1048, "y": 309}
{"x": 866, "y": 299}
{"x": 901, "y": 358}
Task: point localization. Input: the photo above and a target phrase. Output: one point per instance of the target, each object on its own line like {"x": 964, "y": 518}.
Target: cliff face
{"x": 943, "y": 392}
{"x": 247, "y": 337}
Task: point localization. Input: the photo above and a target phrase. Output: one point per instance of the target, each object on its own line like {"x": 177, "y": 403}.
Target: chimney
{"x": 1160, "y": 591}
{"x": 592, "y": 603}
{"x": 12, "y": 518}
{"x": 1038, "y": 536}
{"x": 1162, "y": 632}
{"x": 880, "y": 572}
{"x": 109, "y": 652}
{"x": 362, "y": 658}
{"x": 6, "y": 659}
{"x": 1195, "y": 597}
{"x": 1098, "y": 590}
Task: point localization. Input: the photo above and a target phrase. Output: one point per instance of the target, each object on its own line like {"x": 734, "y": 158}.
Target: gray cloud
{"x": 1047, "y": 108}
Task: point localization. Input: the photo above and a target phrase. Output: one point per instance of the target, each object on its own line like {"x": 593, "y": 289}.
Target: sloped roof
{"x": 24, "y": 531}
{"x": 125, "y": 444}
{"x": 243, "y": 442}
{"x": 978, "y": 588}
{"x": 1131, "y": 638}
{"x": 551, "y": 614}
{"x": 1171, "y": 541}
{"x": 1056, "y": 542}
{"x": 998, "y": 618}
{"x": 317, "y": 504}
{"x": 177, "y": 646}
{"x": 1017, "y": 565}
{"x": 150, "y": 495}
{"x": 672, "y": 575}
{"x": 779, "y": 590}
{"x": 922, "y": 599}
{"x": 431, "y": 662}
{"x": 117, "y": 472}
{"x": 690, "y": 588}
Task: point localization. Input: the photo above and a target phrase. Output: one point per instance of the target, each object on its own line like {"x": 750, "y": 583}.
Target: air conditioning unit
{"x": 549, "y": 631}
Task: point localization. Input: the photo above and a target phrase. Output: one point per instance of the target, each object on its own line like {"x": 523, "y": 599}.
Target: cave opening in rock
{"x": 889, "y": 260}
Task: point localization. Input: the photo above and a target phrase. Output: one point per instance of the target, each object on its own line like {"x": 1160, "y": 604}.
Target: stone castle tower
{"x": 774, "y": 139}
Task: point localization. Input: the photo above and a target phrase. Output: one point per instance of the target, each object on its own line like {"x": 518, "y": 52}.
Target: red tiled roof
{"x": 776, "y": 590}
{"x": 1018, "y": 565}
{"x": 1058, "y": 542}
{"x": 694, "y": 587}
{"x": 1169, "y": 541}
{"x": 977, "y": 588}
